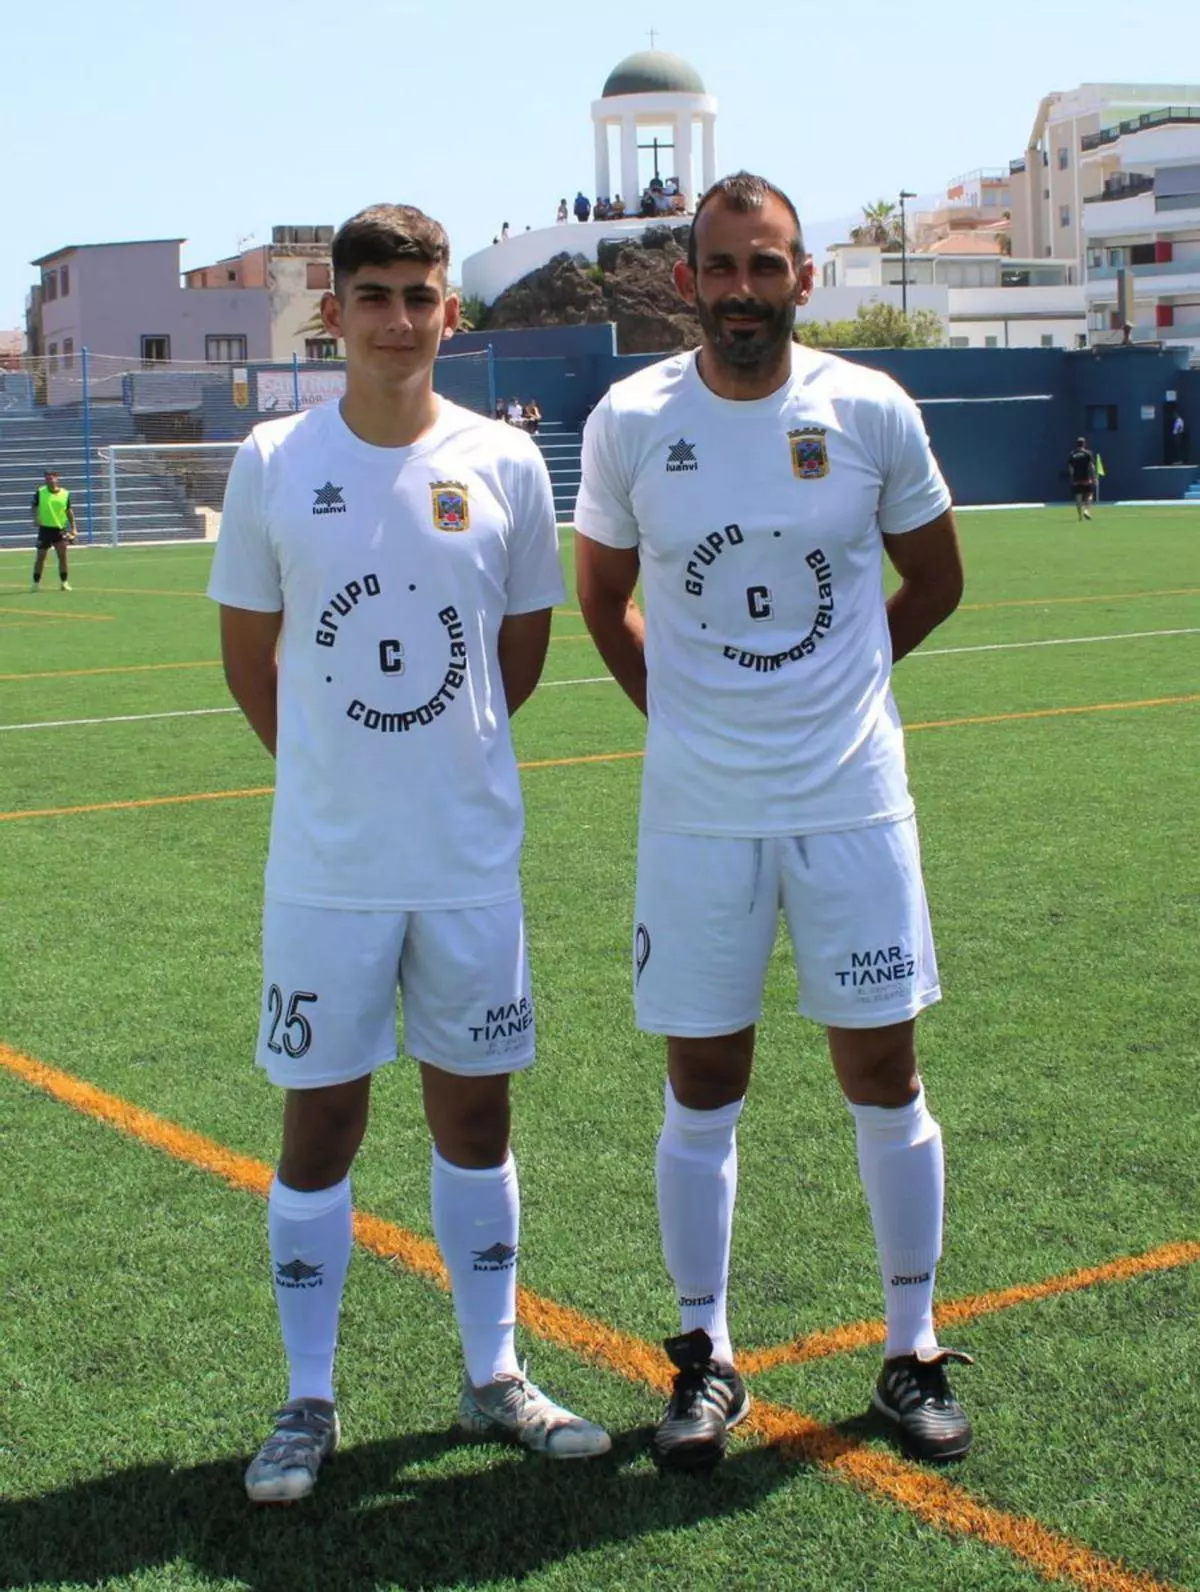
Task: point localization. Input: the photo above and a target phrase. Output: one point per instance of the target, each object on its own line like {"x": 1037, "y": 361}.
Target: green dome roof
{"x": 652, "y": 72}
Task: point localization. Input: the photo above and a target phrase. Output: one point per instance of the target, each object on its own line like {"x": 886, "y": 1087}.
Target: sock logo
{"x": 699, "y": 1299}
{"x": 908, "y": 1282}
{"x": 298, "y": 1274}
{"x": 499, "y": 1257}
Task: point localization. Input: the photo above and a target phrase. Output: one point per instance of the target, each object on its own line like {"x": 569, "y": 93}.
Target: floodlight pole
{"x": 904, "y": 194}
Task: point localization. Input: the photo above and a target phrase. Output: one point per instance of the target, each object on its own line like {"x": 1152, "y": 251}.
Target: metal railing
{"x": 1136, "y": 124}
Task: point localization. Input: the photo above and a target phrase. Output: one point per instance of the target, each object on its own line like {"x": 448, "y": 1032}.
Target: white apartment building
{"x": 986, "y": 299}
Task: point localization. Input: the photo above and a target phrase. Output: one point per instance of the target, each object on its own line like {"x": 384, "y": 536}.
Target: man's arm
{"x": 248, "y": 642}
{"x": 33, "y": 509}
{"x": 522, "y": 645}
{"x": 929, "y": 562}
{"x": 605, "y": 579}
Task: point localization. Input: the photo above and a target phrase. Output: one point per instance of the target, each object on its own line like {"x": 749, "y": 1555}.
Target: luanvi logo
{"x": 329, "y": 499}
{"x": 499, "y": 1257}
{"x": 681, "y": 457}
{"x": 298, "y": 1274}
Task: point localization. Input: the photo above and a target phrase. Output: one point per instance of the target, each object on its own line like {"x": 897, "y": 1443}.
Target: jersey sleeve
{"x": 604, "y": 510}
{"x": 914, "y": 491}
{"x": 245, "y": 571}
{"x": 535, "y": 579}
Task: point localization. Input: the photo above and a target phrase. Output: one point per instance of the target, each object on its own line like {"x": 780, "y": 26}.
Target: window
{"x": 68, "y": 350}
{"x": 317, "y": 275}
{"x": 49, "y": 285}
{"x": 1095, "y": 259}
{"x": 1101, "y": 417}
{"x": 1141, "y": 254}
{"x": 320, "y": 348}
{"x": 53, "y": 352}
{"x": 231, "y": 276}
{"x": 991, "y": 342}
{"x": 64, "y": 280}
{"x": 1116, "y": 257}
{"x": 1064, "y": 158}
{"x": 156, "y": 350}
{"x": 960, "y": 342}
{"x": 1047, "y": 339}
{"x": 221, "y": 350}
{"x": 1064, "y": 215}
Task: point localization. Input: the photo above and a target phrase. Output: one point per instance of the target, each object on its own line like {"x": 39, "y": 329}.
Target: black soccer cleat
{"x": 706, "y": 1402}
{"x": 913, "y": 1392}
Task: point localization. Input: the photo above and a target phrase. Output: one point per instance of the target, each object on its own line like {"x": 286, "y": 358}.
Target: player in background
{"x": 755, "y": 487}
{"x": 386, "y": 570}
{"x": 54, "y": 520}
{"x": 1081, "y": 462}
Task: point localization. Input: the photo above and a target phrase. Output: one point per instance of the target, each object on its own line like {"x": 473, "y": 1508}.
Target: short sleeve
{"x": 245, "y": 571}
{"x": 604, "y": 510}
{"x": 535, "y": 578}
{"x": 914, "y": 491}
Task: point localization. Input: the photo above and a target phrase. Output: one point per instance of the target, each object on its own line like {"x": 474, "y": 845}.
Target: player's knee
{"x": 876, "y": 1067}
{"x": 323, "y": 1129}
{"x": 469, "y": 1119}
{"x": 713, "y": 1072}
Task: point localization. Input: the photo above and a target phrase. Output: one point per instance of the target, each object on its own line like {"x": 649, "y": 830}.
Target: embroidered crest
{"x": 810, "y": 458}
{"x": 451, "y": 508}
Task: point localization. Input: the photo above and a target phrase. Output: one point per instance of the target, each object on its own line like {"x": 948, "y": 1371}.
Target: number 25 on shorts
{"x": 291, "y": 1030}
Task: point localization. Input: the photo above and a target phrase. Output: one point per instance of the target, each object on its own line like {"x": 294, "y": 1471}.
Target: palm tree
{"x": 880, "y": 226}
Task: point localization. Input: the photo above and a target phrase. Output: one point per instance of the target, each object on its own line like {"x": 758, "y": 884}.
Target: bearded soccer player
{"x": 386, "y": 570}
{"x": 755, "y": 487}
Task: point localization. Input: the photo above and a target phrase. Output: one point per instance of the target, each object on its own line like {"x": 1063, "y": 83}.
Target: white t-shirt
{"x": 759, "y": 530}
{"x": 396, "y": 781}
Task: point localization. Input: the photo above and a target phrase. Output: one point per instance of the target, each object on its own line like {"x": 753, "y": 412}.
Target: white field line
{"x": 607, "y": 679}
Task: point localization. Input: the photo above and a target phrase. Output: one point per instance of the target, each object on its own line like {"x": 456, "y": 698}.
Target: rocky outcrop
{"x": 631, "y": 285}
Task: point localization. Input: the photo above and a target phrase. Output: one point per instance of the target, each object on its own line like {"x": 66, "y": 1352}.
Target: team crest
{"x": 451, "y": 508}
{"x": 810, "y": 458}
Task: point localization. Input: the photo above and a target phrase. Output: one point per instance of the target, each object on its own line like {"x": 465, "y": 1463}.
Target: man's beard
{"x": 754, "y": 348}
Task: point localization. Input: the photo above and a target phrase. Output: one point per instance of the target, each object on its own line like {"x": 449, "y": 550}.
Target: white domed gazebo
{"x": 655, "y": 89}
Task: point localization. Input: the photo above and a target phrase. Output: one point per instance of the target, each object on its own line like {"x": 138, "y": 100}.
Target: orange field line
{"x": 1103, "y": 597}
{"x": 35, "y": 614}
{"x": 591, "y": 757}
{"x": 939, "y": 1502}
{"x": 866, "y": 1334}
{"x": 112, "y": 668}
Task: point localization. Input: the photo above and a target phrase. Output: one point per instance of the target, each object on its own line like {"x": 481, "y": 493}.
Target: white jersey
{"x": 759, "y": 530}
{"x": 396, "y": 781}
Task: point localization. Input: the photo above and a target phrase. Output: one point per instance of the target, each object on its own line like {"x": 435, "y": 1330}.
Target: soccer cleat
{"x": 66, "y": 585}
{"x": 1086, "y": 515}
{"x": 512, "y": 1408}
{"x": 706, "y": 1402}
{"x": 285, "y": 1467}
{"x": 913, "y": 1392}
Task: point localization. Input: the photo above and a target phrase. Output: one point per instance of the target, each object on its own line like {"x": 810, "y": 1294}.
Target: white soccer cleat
{"x": 512, "y": 1408}
{"x": 285, "y": 1468}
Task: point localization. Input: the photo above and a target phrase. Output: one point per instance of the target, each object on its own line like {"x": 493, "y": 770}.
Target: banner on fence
{"x": 277, "y": 389}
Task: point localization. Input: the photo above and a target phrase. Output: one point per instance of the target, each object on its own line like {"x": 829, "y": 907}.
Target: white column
{"x": 683, "y": 156}
{"x": 708, "y": 159}
{"x": 631, "y": 191}
{"x": 602, "y": 173}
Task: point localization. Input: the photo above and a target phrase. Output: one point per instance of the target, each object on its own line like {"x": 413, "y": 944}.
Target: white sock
{"x": 310, "y": 1235}
{"x": 900, "y": 1162}
{"x": 697, "y": 1187}
{"x": 477, "y": 1221}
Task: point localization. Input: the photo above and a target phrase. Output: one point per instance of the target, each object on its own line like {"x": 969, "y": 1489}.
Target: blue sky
{"x": 151, "y": 118}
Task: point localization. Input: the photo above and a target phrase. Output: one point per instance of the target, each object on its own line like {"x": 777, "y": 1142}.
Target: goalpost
{"x": 164, "y": 491}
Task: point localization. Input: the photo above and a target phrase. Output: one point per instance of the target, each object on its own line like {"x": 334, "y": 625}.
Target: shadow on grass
{"x": 375, "y": 1519}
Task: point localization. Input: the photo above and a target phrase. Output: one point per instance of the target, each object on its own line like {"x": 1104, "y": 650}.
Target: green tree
{"x": 880, "y": 226}
{"x": 875, "y": 325}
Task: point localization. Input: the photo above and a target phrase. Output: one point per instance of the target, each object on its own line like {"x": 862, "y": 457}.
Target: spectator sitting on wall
{"x": 1127, "y": 334}
{"x": 679, "y": 203}
{"x": 562, "y": 210}
{"x": 616, "y": 210}
{"x": 601, "y": 211}
{"x": 533, "y": 417}
{"x": 649, "y": 204}
{"x": 515, "y": 412}
{"x": 504, "y": 233}
{"x": 501, "y": 411}
{"x": 583, "y": 207}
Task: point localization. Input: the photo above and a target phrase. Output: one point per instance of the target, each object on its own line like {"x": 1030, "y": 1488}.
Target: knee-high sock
{"x": 900, "y": 1162}
{"x": 697, "y": 1187}
{"x": 310, "y": 1235}
{"x": 477, "y": 1220}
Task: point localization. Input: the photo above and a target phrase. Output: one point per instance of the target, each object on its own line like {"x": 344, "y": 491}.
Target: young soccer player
{"x": 386, "y": 570}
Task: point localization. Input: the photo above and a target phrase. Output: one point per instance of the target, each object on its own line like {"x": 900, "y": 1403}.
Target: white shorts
{"x": 708, "y": 910}
{"x": 330, "y": 980}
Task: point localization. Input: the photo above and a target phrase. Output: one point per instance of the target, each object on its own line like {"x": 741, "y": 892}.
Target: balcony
{"x": 1136, "y": 124}
{"x": 1126, "y": 186}
{"x": 1141, "y": 273}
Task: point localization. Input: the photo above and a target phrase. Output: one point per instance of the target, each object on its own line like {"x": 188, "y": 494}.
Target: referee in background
{"x": 55, "y": 521}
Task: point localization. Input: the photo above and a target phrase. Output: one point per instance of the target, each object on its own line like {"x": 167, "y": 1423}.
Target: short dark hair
{"x": 1081, "y": 442}
{"x": 743, "y": 191}
{"x": 383, "y": 234}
